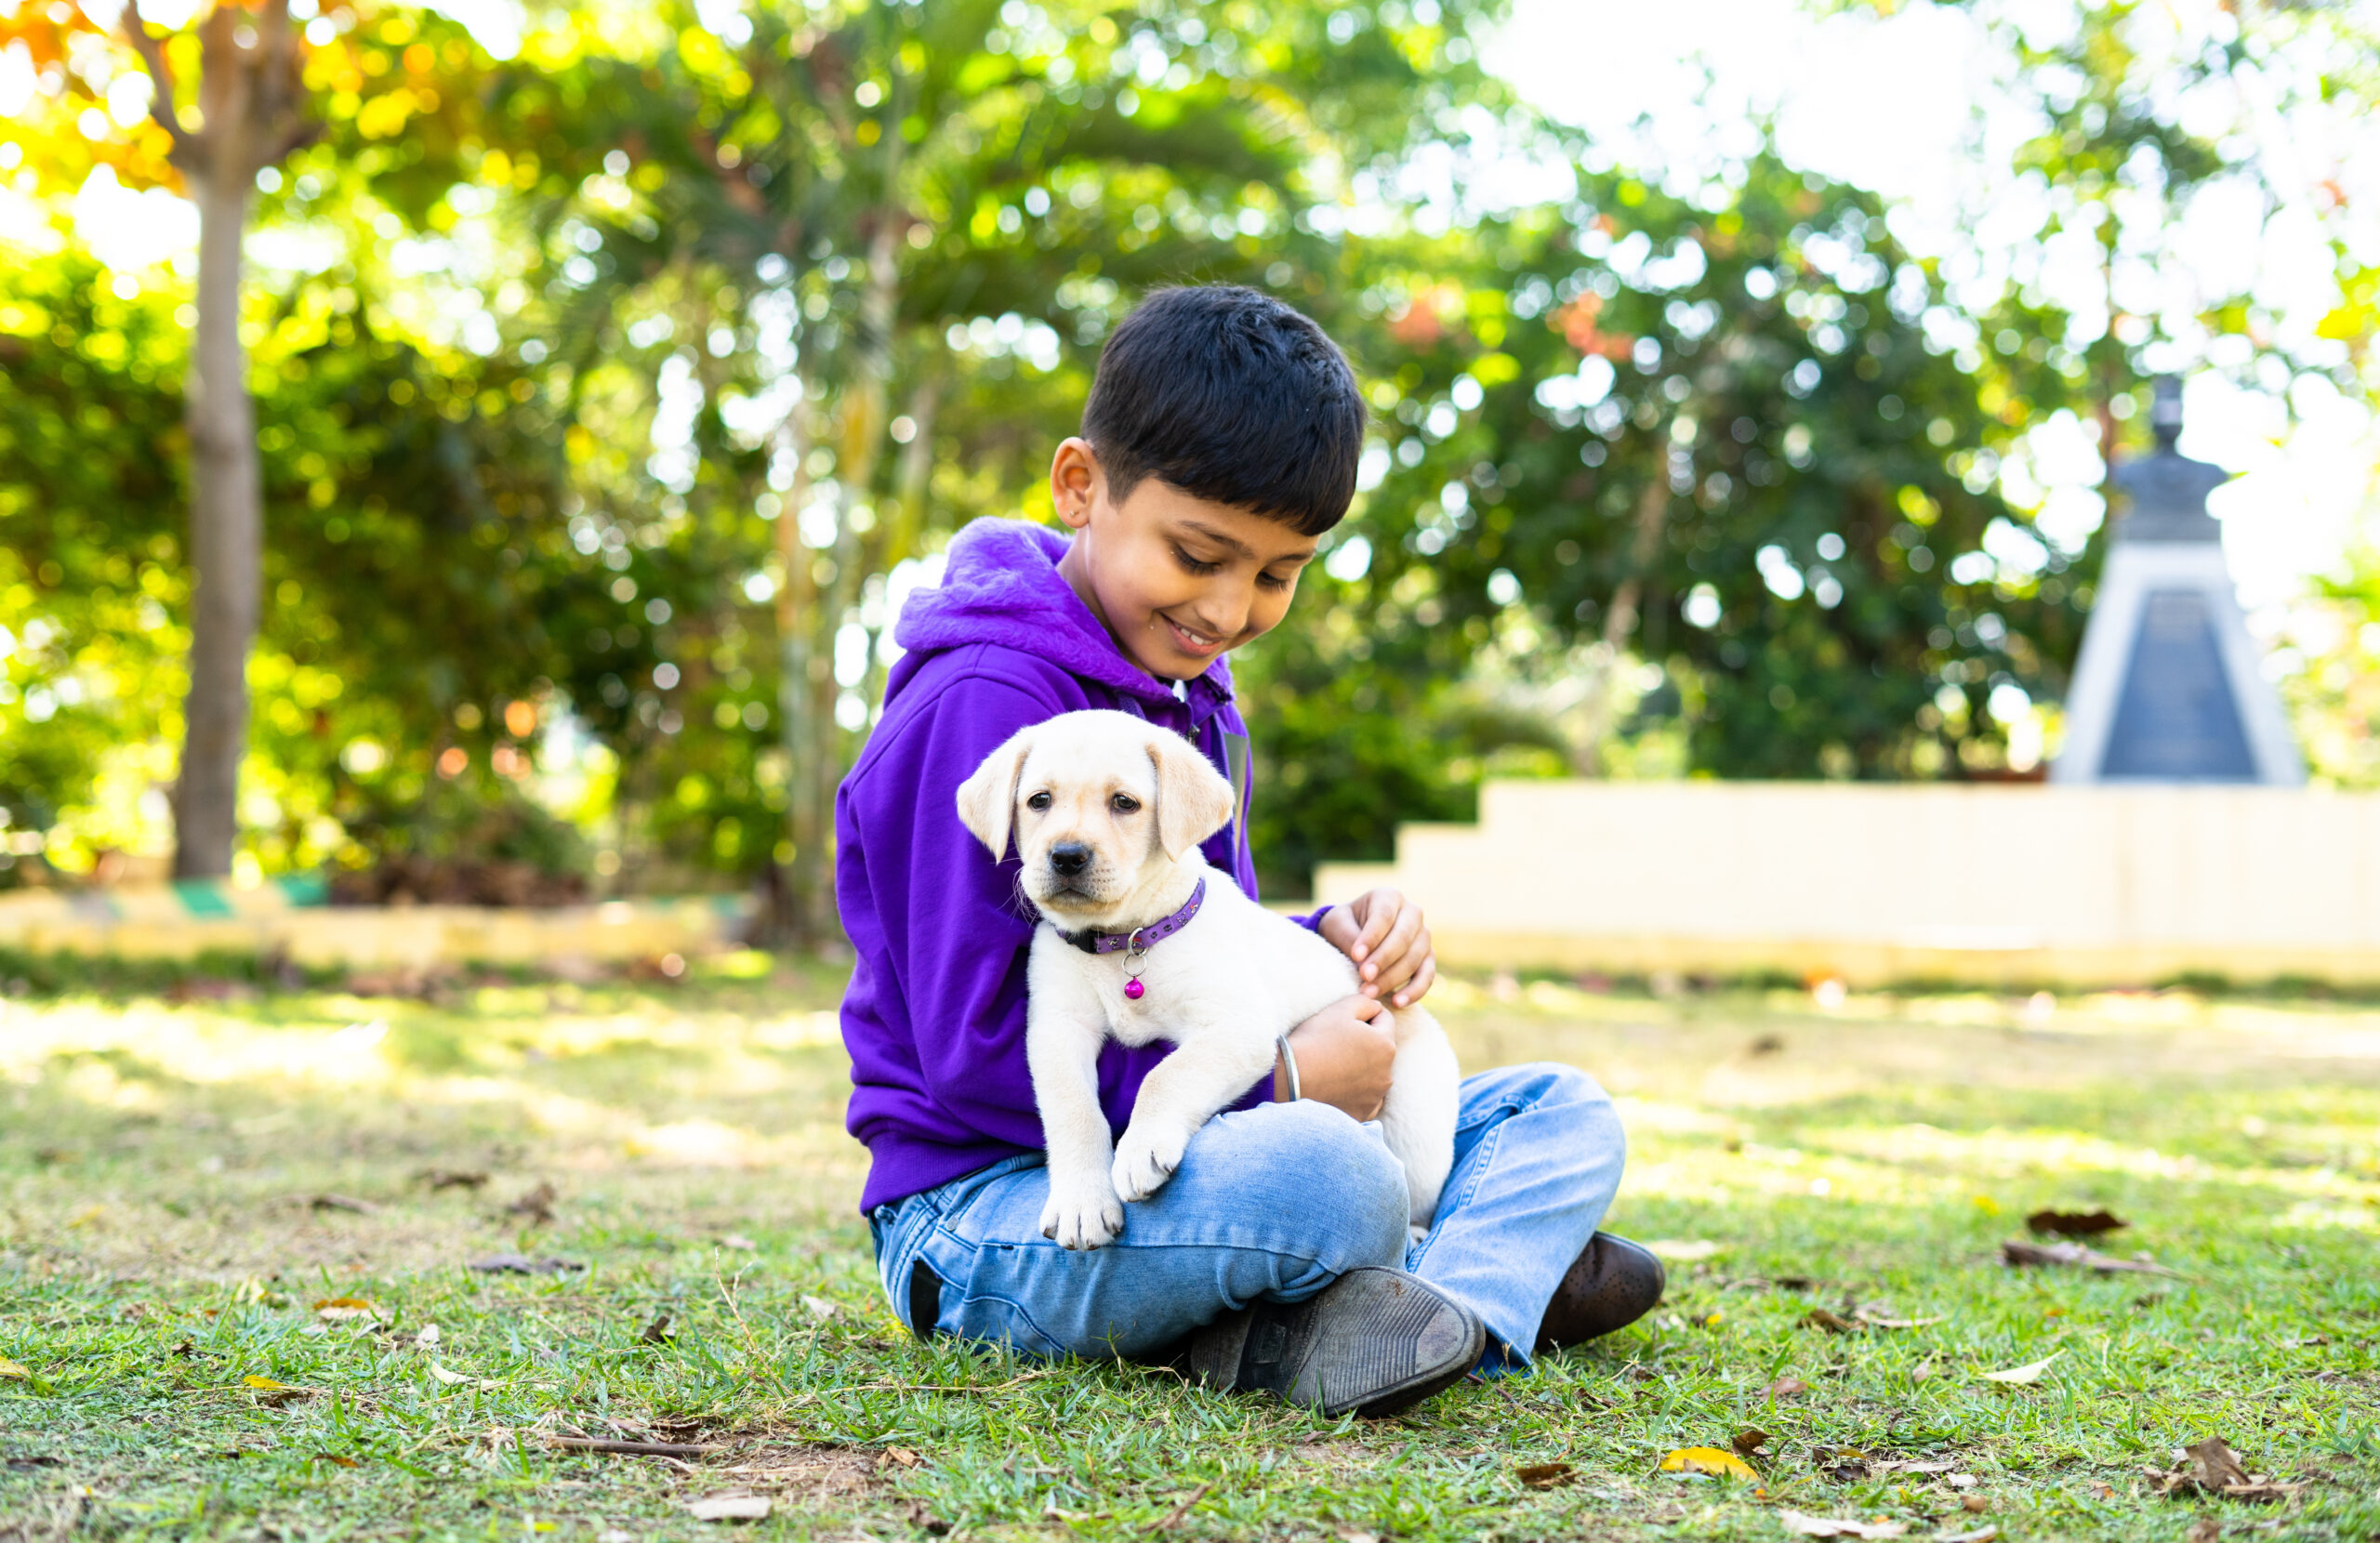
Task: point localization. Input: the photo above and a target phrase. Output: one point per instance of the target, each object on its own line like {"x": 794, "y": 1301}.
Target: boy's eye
{"x": 1039, "y": 800}
{"x": 1191, "y": 564}
{"x": 1124, "y": 803}
{"x": 1275, "y": 581}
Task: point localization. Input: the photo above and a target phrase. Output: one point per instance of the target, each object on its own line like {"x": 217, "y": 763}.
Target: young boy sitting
{"x": 1220, "y": 441}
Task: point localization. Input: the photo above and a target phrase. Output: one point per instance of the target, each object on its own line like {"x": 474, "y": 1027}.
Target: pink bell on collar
{"x": 1133, "y": 990}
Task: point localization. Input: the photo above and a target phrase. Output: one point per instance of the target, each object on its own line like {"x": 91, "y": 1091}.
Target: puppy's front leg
{"x": 1062, "y": 1048}
{"x": 1182, "y": 1093}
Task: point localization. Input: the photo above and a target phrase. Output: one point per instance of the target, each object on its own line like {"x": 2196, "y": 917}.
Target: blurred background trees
{"x": 614, "y": 380}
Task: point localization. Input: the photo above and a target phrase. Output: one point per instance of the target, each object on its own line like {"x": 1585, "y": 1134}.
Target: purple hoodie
{"x": 935, "y": 1015}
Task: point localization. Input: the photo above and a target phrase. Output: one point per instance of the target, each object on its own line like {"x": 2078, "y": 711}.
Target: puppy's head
{"x": 1101, "y": 804}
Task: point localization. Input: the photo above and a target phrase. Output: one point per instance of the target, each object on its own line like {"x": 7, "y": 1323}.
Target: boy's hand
{"x": 1345, "y": 1054}
{"x": 1382, "y": 931}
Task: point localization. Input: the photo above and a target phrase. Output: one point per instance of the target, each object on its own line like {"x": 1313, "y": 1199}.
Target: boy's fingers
{"x": 1400, "y": 953}
{"x": 1421, "y": 981}
{"x": 1378, "y": 916}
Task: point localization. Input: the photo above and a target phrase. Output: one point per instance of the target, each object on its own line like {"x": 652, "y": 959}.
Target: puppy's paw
{"x": 1145, "y": 1160}
{"x": 1082, "y": 1215}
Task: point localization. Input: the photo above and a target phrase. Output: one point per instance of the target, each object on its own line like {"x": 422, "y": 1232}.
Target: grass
{"x": 177, "y": 1179}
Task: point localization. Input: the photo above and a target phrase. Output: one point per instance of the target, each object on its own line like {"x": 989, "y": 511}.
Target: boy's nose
{"x": 1069, "y": 858}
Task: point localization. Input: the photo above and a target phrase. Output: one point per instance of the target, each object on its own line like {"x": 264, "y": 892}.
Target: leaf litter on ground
{"x": 2076, "y": 1224}
{"x": 2210, "y": 1467}
{"x": 522, "y": 1264}
{"x": 1801, "y": 1524}
{"x": 2018, "y": 1253}
{"x": 2031, "y": 1372}
{"x": 1707, "y": 1460}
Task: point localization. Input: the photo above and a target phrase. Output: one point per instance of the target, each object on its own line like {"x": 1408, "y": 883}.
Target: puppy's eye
{"x": 1124, "y": 803}
{"x": 1039, "y": 800}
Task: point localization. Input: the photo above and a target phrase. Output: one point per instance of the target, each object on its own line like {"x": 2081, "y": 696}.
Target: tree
{"x": 245, "y": 110}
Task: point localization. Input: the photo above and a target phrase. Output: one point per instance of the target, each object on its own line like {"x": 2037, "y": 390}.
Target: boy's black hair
{"x": 1230, "y": 396}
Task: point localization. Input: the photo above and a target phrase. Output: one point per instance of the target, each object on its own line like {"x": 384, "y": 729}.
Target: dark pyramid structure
{"x": 2168, "y": 687}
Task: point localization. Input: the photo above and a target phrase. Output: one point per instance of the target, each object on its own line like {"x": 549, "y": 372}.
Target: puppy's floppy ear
{"x": 987, "y": 799}
{"x": 1192, "y": 800}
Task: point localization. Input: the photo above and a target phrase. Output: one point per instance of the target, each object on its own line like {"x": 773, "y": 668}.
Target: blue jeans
{"x": 1275, "y": 1202}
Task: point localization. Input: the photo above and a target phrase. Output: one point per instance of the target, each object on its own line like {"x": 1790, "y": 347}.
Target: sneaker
{"x": 1611, "y": 1285}
{"x": 1374, "y": 1342}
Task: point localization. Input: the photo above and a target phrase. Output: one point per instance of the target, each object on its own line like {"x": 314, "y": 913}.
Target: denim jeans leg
{"x": 1277, "y": 1201}
{"x": 1537, "y": 1156}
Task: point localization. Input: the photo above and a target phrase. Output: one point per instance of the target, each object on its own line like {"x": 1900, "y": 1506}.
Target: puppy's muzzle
{"x": 1069, "y": 859}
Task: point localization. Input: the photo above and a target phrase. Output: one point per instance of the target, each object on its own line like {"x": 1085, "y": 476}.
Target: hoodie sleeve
{"x": 954, "y": 933}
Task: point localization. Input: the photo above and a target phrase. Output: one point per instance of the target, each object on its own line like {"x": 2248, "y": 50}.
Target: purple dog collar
{"x": 1140, "y": 940}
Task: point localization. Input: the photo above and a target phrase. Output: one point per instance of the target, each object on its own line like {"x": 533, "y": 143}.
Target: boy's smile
{"x": 1176, "y": 580}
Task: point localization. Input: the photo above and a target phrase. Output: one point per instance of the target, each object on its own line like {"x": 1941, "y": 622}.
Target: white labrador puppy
{"x": 1140, "y": 939}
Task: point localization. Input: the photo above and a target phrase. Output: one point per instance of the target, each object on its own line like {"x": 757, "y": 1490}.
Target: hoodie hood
{"x": 1002, "y": 585}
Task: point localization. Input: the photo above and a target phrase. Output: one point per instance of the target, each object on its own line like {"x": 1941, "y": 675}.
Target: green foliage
{"x": 632, "y": 377}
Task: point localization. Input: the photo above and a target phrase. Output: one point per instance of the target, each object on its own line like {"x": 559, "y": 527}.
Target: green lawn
{"x": 181, "y": 1185}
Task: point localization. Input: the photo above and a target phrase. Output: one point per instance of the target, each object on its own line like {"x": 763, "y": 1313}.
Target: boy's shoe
{"x": 1611, "y": 1285}
{"x": 1374, "y": 1342}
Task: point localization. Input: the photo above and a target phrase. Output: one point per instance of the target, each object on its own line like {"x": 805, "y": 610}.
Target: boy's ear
{"x": 1192, "y": 800}
{"x": 987, "y": 799}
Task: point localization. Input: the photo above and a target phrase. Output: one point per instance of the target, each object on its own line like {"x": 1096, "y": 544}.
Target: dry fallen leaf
{"x": 428, "y": 1338}
{"x": 818, "y": 1307}
{"x": 452, "y": 1179}
{"x": 522, "y": 1264}
{"x": 1682, "y": 1250}
{"x": 1707, "y": 1460}
{"x": 1787, "y": 1387}
{"x": 658, "y": 1331}
{"x": 1874, "y": 1321}
{"x": 902, "y": 1455}
{"x": 1833, "y": 1323}
{"x": 2218, "y": 1466}
{"x": 343, "y": 1309}
{"x": 738, "y": 1242}
{"x": 731, "y": 1507}
{"x": 11, "y": 1368}
{"x": 2206, "y": 1529}
{"x": 1980, "y": 1534}
{"x": 2027, "y": 1373}
{"x": 1802, "y": 1525}
{"x": 2214, "y": 1469}
{"x": 2018, "y": 1252}
{"x": 334, "y": 1457}
{"x": 537, "y": 1206}
{"x": 342, "y": 1203}
{"x": 443, "y": 1375}
{"x": 1749, "y": 1441}
{"x": 267, "y": 1384}
{"x": 2075, "y": 1223}
{"x": 1543, "y": 1475}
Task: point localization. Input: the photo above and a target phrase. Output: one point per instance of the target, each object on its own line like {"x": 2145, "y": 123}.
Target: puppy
{"x": 1107, "y": 812}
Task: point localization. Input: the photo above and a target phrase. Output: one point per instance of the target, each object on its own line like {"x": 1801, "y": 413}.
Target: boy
{"x": 1220, "y": 440}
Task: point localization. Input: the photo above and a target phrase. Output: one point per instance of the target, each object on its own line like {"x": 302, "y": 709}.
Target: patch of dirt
{"x": 813, "y": 1473}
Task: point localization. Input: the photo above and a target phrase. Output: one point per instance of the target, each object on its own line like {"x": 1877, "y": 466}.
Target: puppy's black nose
{"x": 1069, "y": 858}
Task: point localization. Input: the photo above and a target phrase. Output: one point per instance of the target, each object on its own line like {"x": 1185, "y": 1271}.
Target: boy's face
{"x": 1177, "y": 580}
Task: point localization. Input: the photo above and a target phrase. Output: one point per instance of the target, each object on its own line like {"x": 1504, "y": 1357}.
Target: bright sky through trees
{"x": 1920, "y": 107}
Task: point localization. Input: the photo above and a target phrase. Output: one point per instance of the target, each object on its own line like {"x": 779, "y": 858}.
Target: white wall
{"x": 2100, "y": 885}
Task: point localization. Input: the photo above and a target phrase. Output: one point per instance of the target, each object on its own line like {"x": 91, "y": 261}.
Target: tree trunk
{"x": 804, "y": 899}
{"x": 226, "y": 543}
{"x": 1619, "y": 625}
